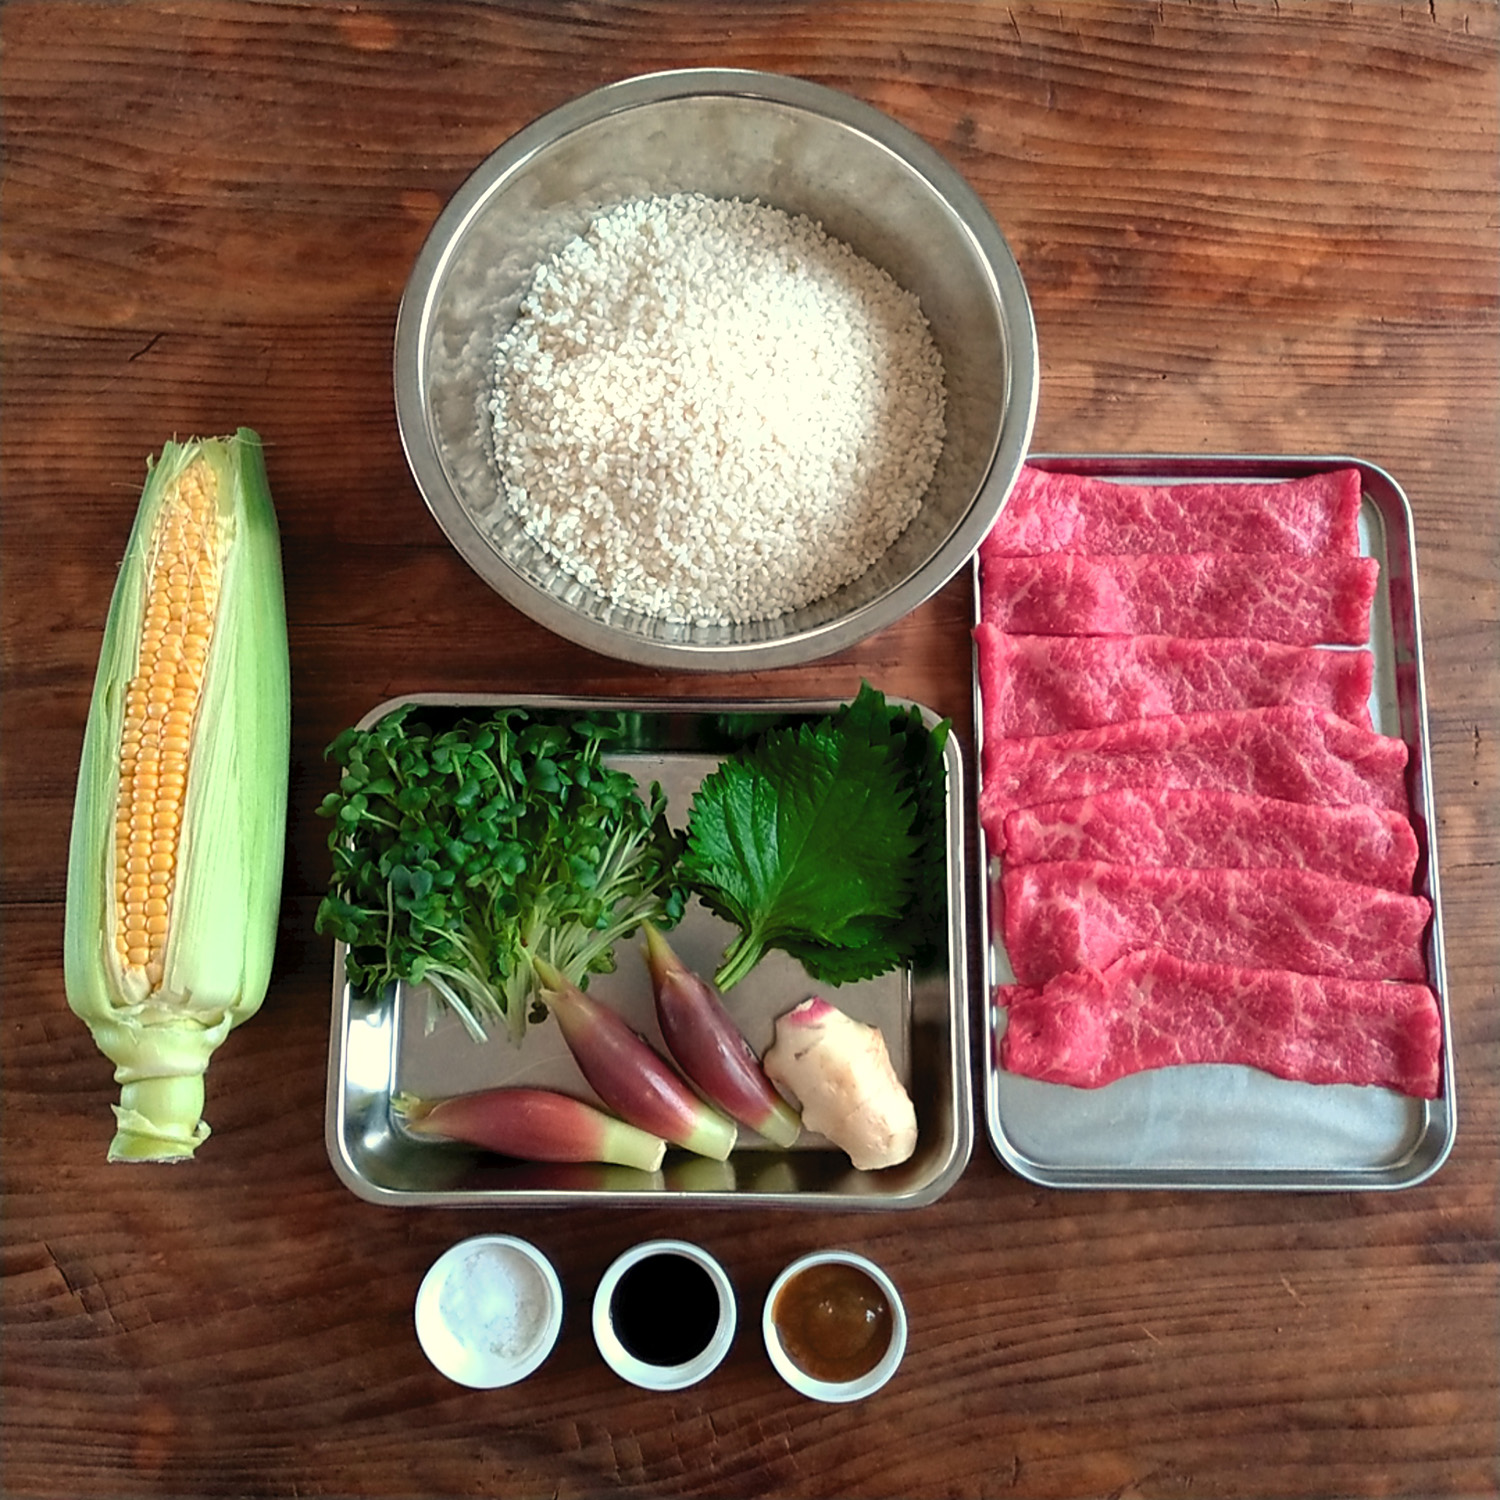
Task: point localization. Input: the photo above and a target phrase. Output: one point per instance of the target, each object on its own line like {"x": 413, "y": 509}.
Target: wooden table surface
{"x": 1253, "y": 228}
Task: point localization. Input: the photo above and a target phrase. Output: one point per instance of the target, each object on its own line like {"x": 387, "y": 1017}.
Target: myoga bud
{"x": 711, "y": 1050}
{"x": 627, "y": 1075}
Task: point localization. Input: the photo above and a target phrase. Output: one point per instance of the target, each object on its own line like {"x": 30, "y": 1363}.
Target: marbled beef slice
{"x": 1051, "y": 684}
{"x": 1198, "y": 828}
{"x": 1293, "y": 753}
{"x": 1319, "y": 601}
{"x": 1074, "y": 914}
{"x": 1314, "y": 516}
{"x": 1149, "y": 1009}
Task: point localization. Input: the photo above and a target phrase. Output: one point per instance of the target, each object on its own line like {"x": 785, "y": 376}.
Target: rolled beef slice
{"x": 1050, "y": 684}
{"x": 1292, "y": 753}
{"x": 1151, "y": 1010}
{"x": 1317, "y": 600}
{"x": 1313, "y": 516}
{"x": 1190, "y": 828}
{"x": 1075, "y": 914}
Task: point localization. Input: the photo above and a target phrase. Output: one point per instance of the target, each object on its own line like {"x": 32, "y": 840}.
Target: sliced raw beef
{"x": 1150, "y": 1010}
{"x": 1319, "y": 600}
{"x": 1075, "y": 914}
{"x": 1296, "y": 754}
{"x": 1224, "y": 829}
{"x": 1049, "y": 684}
{"x": 1310, "y": 517}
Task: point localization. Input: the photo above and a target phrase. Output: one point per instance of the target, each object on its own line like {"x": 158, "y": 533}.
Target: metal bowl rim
{"x": 811, "y": 643}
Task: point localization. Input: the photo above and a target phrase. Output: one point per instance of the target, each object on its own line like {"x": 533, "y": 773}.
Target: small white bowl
{"x": 489, "y": 1311}
{"x": 663, "y": 1377}
{"x": 836, "y": 1390}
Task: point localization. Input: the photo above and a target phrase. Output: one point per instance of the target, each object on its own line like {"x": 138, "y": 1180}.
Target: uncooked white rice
{"x": 711, "y": 411}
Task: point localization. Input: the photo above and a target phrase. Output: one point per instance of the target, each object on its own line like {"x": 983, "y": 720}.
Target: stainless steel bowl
{"x": 791, "y": 144}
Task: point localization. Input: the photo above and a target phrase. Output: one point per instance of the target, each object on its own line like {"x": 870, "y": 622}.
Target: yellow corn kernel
{"x": 161, "y": 703}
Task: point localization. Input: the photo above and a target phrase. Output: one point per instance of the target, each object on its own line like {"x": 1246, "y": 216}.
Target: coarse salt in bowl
{"x": 665, "y": 370}
{"x": 489, "y": 1311}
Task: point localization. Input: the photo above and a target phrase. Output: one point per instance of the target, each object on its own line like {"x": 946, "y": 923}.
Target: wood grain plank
{"x": 1244, "y": 228}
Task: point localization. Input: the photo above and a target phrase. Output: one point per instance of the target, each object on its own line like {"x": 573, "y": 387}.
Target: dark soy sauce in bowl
{"x": 664, "y": 1315}
{"x": 665, "y": 1309}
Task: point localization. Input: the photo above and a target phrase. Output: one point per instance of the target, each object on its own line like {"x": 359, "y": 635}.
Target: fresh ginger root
{"x": 839, "y": 1071}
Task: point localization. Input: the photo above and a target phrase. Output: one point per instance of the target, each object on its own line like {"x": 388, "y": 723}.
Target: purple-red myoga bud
{"x": 709, "y": 1047}
{"x": 627, "y": 1075}
{"x": 535, "y": 1125}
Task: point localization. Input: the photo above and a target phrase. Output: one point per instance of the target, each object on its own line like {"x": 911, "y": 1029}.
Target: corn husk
{"x": 222, "y": 934}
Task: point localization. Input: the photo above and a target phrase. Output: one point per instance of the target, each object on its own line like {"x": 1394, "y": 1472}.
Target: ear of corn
{"x": 174, "y": 869}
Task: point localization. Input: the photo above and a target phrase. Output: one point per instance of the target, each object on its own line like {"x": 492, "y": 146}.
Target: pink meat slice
{"x": 1316, "y": 600}
{"x": 1051, "y": 512}
{"x": 1151, "y": 1010}
{"x": 1193, "y": 828}
{"x": 1293, "y": 753}
{"x": 1050, "y": 684}
{"x": 1074, "y": 914}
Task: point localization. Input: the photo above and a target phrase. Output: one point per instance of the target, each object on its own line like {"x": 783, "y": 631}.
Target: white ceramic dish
{"x": 489, "y": 1311}
{"x": 835, "y": 1391}
{"x": 680, "y": 1374}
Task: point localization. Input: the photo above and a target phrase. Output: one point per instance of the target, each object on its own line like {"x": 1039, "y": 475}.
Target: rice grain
{"x": 711, "y": 411}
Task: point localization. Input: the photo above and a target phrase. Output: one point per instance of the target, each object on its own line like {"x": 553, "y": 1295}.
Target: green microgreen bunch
{"x": 462, "y": 855}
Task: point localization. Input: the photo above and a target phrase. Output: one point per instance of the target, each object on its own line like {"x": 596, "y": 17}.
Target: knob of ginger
{"x": 839, "y": 1071}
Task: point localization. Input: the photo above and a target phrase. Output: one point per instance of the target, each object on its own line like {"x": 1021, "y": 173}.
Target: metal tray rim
{"x": 958, "y": 1069}
{"x": 1436, "y": 1135}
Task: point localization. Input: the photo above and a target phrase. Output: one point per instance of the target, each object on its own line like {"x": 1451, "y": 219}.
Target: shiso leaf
{"x": 818, "y": 840}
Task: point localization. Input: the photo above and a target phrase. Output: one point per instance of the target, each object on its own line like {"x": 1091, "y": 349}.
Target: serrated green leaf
{"x": 820, "y": 841}
{"x": 835, "y": 966}
{"x": 802, "y": 834}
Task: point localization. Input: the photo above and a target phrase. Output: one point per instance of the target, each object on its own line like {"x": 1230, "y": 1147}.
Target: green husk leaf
{"x": 229, "y": 861}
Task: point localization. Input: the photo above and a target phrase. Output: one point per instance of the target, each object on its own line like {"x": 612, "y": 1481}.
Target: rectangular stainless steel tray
{"x": 381, "y": 1045}
{"x": 1235, "y": 1127}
